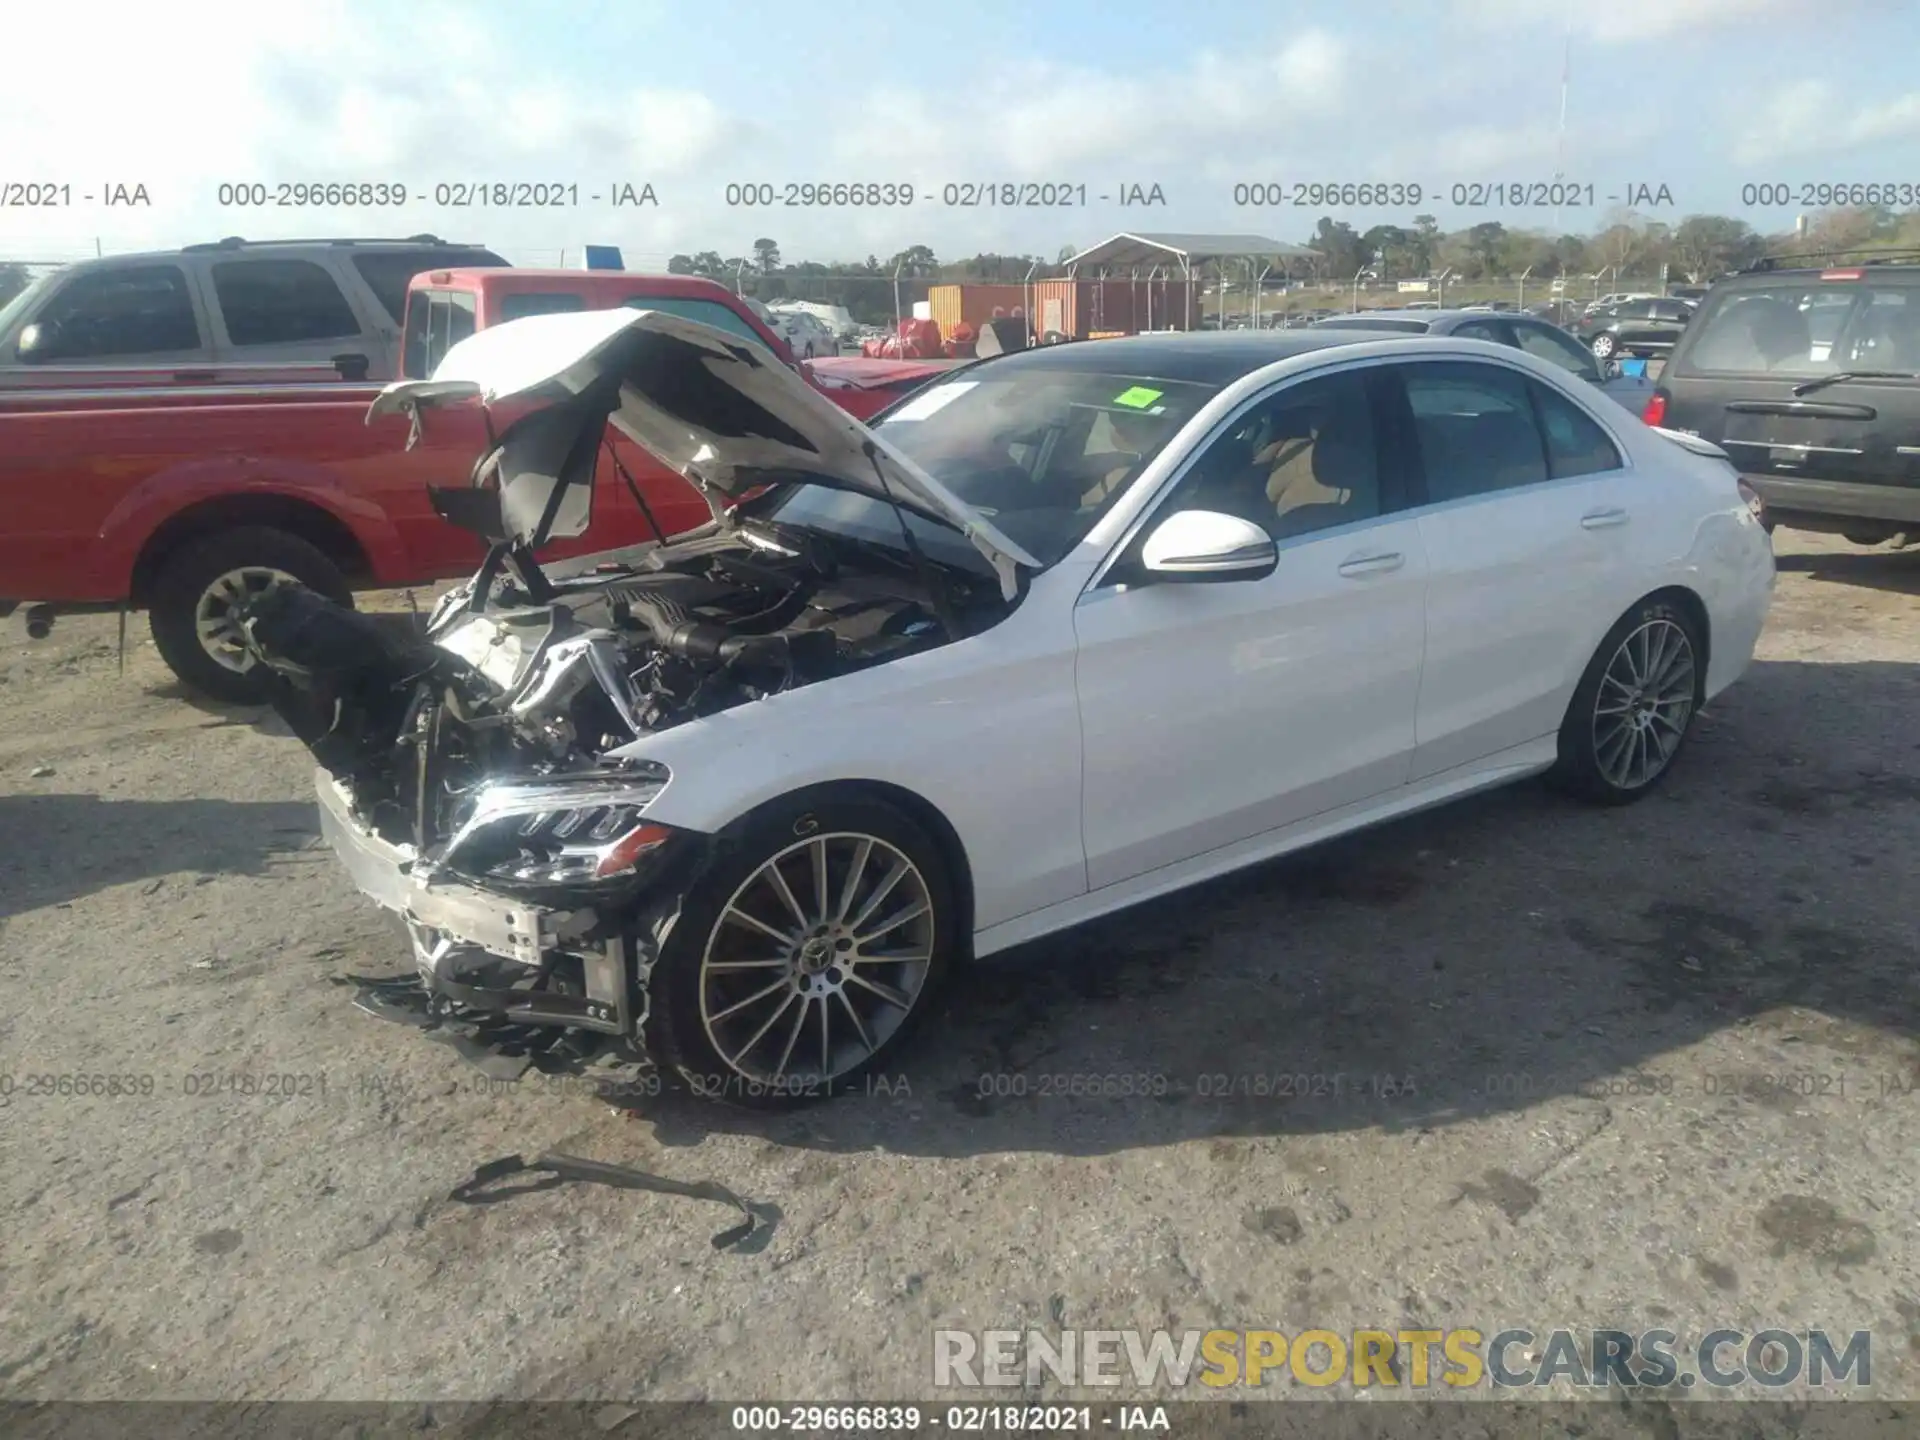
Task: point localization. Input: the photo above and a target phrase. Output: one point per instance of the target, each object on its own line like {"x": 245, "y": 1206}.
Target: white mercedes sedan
{"x": 1060, "y": 632}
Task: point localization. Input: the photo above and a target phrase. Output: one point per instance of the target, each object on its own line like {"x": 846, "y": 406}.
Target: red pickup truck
{"x": 181, "y": 500}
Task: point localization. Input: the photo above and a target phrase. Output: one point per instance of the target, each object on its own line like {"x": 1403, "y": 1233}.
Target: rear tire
{"x": 1604, "y": 346}
{"x": 770, "y": 1053}
{"x": 1634, "y": 707}
{"x": 196, "y": 588}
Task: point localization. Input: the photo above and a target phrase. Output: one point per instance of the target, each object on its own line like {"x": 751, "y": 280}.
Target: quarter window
{"x": 138, "y": 310}
{"x": 1475, "y": 429}
{"x": 281, "y": 302}
{"x": 1303, "y": 460}
{"x": 1576, "y": 445}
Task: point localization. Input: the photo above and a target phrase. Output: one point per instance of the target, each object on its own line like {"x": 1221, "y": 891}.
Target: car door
{"x": 1213, "y": 713}
{"x": 1666, "y": 319}
{"x": 273, "y": 310}
{"x": 121, "y": 316}
{"x": 1635, "y": 326}
{"x": 1526, "y": 519}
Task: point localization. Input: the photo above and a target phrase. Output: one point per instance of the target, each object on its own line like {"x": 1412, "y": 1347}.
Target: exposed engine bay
{"x": 503, "y": 687}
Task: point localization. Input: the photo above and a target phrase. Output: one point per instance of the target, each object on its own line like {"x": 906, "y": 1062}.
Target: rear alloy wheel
{"x": 803, "y": 960}
{"x": 1633, "y": 708}
{"x": 1604, "y": 346}
{"x": 200, "y": 588}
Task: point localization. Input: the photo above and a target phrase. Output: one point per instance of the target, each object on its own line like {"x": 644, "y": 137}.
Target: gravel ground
{"x": 1653, "y": 1067}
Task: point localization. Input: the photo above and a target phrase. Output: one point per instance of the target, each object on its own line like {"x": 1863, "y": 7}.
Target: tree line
{"x": 1695, "y": 250}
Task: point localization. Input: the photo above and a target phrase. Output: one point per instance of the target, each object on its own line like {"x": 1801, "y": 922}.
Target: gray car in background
{"x": 229, "y": 303}
{"x": 1522, "y": 332}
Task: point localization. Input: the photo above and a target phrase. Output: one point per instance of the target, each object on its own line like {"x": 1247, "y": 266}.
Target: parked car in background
{"x": 1523, "y": 332}
{"x": 836, "y": 318}
{"x": 1607, "y": 302}
{"x": 1695, "y": 293}
{"x": 809, "y": 336}
{"x": 191, "y": 313}
{"x": 1806, "y": 369}
{"x": 913, "y": 722}
{"x": 1634, "y": 327}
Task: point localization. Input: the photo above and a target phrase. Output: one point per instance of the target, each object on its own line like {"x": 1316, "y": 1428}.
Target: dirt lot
{"x": 1653, "y": 1067}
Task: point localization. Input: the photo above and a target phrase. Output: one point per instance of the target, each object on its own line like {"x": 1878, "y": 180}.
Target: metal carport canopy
{"x": 1129, "y": 252}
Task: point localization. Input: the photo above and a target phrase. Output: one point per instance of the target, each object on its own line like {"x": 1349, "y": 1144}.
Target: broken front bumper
{"x": 464, "y": 937}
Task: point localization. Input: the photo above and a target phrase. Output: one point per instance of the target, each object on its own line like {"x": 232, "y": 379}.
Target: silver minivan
{"x": 231, "y": 303}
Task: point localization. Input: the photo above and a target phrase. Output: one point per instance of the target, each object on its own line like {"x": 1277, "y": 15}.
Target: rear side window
{"x": 437, "y": 320}
{"x": 707, "y": 312}
{"x": 389, "y": 272}
{"x": 555, "y": 302}
{"x": 138, "y": 310}
{"x": 1475, "y": 429}
{"x": 1808, "y": 328}
{"x": 280, "y": 302}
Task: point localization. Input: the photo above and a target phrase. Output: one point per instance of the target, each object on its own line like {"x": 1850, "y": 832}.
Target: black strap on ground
{"x": 480, "y": 1187}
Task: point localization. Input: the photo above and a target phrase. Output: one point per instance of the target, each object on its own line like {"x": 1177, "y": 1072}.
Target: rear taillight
{"x": 1656, "y": 411}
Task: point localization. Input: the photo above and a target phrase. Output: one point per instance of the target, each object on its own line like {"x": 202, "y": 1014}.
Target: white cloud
{"x": 1626, "y": 21}
{"x": 1815, "y": 117}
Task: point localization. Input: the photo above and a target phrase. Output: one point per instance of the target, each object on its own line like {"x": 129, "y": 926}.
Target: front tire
{"x": 806, "y": 955}
{"x": 1634, "y": 707}
{"x": 198, "y": 588}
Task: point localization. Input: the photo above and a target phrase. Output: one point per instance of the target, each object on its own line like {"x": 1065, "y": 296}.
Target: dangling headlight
{"x": 561, "y": 832}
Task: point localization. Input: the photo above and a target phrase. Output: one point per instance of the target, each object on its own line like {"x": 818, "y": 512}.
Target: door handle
{"x": 1372, "y": 564}
{"x": 1603, "y": 519}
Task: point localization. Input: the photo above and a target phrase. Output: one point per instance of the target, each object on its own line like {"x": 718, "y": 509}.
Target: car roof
{"x": 528, "y": 278}
{"x": 236, "y": 246}
{"x": 1215, "y": 358}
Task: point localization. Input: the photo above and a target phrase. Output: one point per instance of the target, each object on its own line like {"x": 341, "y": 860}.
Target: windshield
{"x": 1043, "y": 453}
{"x": 1810, "y": 328}
{"x": 23, "y": 302}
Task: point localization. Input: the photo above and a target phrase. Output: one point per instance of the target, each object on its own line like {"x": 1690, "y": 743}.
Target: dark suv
{"x": 1806, "y": 370}
{"x": 1634, "y": 327}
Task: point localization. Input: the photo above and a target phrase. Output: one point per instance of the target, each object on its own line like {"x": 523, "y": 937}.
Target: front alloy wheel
{"x": 1634, "y": 706}
{"x": 796, "y": 965}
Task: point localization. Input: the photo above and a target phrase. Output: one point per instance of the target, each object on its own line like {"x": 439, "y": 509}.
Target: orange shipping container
{"x": 974, "y": 304}
{"x": 1079, "y": 309}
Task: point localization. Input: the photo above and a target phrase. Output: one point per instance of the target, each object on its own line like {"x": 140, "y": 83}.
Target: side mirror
{"x": 39, "y": 341}
{"x": 1204, "y": 545}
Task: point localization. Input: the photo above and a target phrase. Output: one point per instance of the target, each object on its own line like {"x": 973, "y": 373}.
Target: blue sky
{"x": 1701, "y": 96}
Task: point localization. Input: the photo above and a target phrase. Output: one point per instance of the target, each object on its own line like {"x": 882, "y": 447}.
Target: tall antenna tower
{"x": 1566, "y": 72}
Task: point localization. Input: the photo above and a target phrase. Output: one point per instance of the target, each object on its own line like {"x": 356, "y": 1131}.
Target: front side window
{"x": 437, "y": 320}
{"x": 1302, "y": 460}
{"x": 281, "y": 302}
{"x": 1474, "y": 427}
{"x": 1557, "y": 348}
{"x": 138, "y": 310}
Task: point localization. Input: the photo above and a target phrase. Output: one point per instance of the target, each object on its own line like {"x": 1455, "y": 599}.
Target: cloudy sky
{"x": 1701, "y": 96}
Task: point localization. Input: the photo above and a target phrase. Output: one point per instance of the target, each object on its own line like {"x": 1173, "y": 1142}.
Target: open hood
{"x": 718, "y": 410}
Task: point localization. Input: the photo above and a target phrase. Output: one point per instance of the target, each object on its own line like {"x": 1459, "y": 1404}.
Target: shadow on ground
{"x": 1894, "y": 571}
{"x": 61, "y": 847}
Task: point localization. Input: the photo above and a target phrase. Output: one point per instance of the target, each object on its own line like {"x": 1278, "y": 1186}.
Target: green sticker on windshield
{"x": 1137, "y": 398}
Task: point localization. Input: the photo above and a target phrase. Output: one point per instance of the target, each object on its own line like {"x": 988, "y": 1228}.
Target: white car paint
{"x": 1102, "y": 746}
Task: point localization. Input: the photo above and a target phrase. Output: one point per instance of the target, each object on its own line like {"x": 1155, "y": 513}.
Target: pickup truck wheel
{"x": 198, "y": 588}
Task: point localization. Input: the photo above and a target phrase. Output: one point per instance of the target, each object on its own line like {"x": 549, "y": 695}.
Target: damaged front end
{"x": 479, "y": 777}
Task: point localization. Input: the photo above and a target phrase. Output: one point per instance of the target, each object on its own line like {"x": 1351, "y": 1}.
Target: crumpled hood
{"x": 720, "y": 411}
